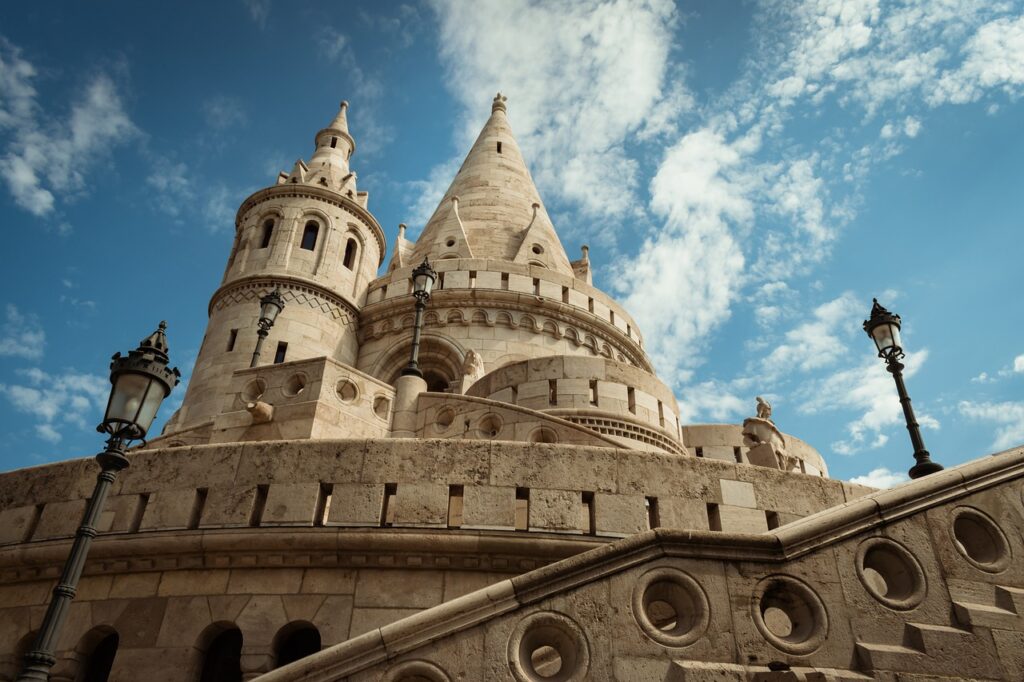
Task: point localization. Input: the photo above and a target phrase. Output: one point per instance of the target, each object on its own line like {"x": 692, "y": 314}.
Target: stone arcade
{"x": 531, "y": 509}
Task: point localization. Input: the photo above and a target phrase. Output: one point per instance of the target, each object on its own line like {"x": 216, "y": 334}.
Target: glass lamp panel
{"x": 895, "y": 334}
{"x": 155, "y": 395}
{"x": 270, "y": 311}
{"x": 883, "y": 337}
{"x": 126, "y": 397}
{"x": 428, "y": 283}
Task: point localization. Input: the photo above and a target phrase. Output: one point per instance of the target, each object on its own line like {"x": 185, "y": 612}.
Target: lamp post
{"x": 271, "y": 306}
{"x": 884, "y": 329}
{"x": 423, "y": 277}
{"x": 139, "y": 383}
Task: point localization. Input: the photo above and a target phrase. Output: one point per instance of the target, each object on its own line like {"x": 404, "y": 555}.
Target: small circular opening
{"x": 254, "y": 390}
{"x": 544, "y": 435}
{"x": 891, "y": 574}
{"x": 381, "y": 406}
{"x": 662, "y": 615}
{"x": 449, "y": 242}
{"x": 981, "y": 541}
{"x": 789, "y": 615}
{"x": 490, "y": 426}
{"x": 444, "y": 419}
{"x": 546, "y": 661}
{"x": 670, "y": 607}
{"x": 537, "y": 249}
{"x": 294, "y": 385}
{"x": 347, "y": 391}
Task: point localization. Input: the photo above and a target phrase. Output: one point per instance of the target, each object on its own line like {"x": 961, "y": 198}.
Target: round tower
{"x": 310, "y": 235}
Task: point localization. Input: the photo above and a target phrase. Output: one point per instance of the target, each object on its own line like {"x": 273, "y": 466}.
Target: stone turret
{"x": 309, "y": 234}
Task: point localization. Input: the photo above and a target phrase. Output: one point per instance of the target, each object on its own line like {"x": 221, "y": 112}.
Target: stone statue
{"x": 472, "y": 368}
{"x": 764, "y": 409}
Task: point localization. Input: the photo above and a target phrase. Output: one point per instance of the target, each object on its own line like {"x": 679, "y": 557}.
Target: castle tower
{"x": 310, "y": 235}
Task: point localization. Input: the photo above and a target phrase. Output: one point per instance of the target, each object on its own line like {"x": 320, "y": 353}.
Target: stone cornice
{"x": 500, "y": 299}
{"x": 300, "y": 283}
{"x": 320, "y": 194}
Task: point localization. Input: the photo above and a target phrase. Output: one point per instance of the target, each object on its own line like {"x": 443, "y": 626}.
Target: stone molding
{"x": 320, "y": 194}
{"x": 296, "y": 291}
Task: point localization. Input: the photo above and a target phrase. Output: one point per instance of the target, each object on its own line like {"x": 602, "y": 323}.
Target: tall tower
{"x": 310, "y": 235}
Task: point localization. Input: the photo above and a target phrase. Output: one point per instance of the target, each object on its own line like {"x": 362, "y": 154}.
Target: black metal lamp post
{"x": 423, "y": 277}
{"x": 140, "y": 382}
{"x": 271, "y": 306}
{"x": 884, "y": 330}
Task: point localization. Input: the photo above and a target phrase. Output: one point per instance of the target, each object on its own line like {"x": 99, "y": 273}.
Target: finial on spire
{"x": 498, "y": 103}
{"x": 344, "y": 104}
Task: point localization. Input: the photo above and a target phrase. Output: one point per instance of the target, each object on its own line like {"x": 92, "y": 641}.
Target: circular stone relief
{"x": 890, "y": 573}
{"x": 980, "y": 540}
{"x": 670, "y": 607}
{"x": 548, "y": 646}
{"x": 381, "y": 406}
{"x": 489, "y": 426}
{"x": 789, "y": 614}
{"x": 254, "y": 390}
{"x": 294, "y": 385}
{"x": 543, "y": 435}
{"x": 346, "y": 390}
{"x": 416, "y": 671}
{"x": 444, "y": 419}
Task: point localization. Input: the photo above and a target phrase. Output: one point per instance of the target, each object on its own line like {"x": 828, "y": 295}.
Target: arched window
{"x": 101, "y": 660}
{"x": 309, "y": 235}
{"x": 223, "y": 660}
{"x": 350, "y": 253}
{"x": 268, "y": 232}
{"x": 295, "y": 641}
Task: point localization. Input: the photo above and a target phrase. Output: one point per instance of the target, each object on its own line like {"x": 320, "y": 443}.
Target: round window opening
{"x": 294, "y": 385}
{"x": 490, "y": 426}
{"x": 347, "y": 391}
{"x": 381, "y": 406}
{"x": 980, "y": 540}
{"x": 670, "y": 607}
{"x": 444, "y": 419}
{"x": 890, "y": 573}
{"x": 254, "y": 390}
{"x": 544, "y": 435}
{"x": 537, "y": 249}
{"x": 790, "y": 615}
{"x": 449, "y": 242}
{"x": 550, "y": 647}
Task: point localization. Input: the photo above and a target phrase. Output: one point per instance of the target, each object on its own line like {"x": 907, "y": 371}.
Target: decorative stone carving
{"x": 764, "y": 409}
{"x": 767, "y": 444}
{"x": 472, "y": 369}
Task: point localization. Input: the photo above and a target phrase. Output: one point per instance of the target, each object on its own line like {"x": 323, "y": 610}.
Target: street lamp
{"x": 139, "y": 383}
{"x": 270, "y": 307}
{"x": 423, "y": 277}
{"x": 884, "y": 329}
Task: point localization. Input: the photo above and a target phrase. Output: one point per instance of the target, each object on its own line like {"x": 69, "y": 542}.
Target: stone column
{"x": 403, "y": 418}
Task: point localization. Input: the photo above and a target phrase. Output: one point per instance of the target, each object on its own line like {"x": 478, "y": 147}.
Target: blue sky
{"x": 747, "y": 174}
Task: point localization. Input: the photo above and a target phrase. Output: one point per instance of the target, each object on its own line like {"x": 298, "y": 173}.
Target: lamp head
{"x": 423, "y": 277}
{"x": 884, "y": 329}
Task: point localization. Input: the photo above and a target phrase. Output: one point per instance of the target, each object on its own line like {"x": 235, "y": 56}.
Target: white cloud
{"x": 1018, "y": 363}
{"x": 993, "y": 59}
{"x": 881, "y": 478}
{"x": 259, "y": 11}
{"x": 172, "y": 185}
{"x": 596, "y": 74}
{"x": 58, "y": 400}
{"x": 818, "y": 342}
{"x": 714, "y": 401}
{"x": 869, "y": 390}
{"x": 1009, "y": 416}
{"x": 222, "y": 112}
{"x": 47, "y": 156}
{"x": 21, "y": 335}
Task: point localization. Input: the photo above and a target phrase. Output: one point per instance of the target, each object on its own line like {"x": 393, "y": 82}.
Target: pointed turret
{"x": 497, "y": 212}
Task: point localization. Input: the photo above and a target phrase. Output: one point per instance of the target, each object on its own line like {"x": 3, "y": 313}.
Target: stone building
{"x": 531, "y": 509}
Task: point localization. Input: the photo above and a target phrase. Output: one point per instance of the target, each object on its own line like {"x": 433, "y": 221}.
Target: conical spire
{"x": 498, "y": 207}
{"x": 334, "y": 147}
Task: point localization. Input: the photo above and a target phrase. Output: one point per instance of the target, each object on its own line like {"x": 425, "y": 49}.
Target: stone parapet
{"x": 725, "y": 442}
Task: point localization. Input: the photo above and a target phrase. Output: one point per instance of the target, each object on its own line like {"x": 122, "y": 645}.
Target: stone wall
{"x": 725, "y": 442}
{"x": 348, "y": 535}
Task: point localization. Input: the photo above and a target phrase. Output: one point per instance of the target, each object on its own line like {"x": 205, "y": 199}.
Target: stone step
{"x": 983, "y": 615}
{"x": 888, "y": 656}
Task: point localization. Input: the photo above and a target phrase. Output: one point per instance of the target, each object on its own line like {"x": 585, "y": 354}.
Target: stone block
{"x": 135, "y": 585}
{"x": 488, "y": 507}
{"x": 421, "y": 505}
{"x": 356, "y": 504}
{"x": 399, "y": 588}
{"x": 488, "y": 280}
{"x": 456, "y": 279}
{"x": 366, "y": 619}
{"x": 290, "y": 504}
{"x": 265, "y": 581}
{"x": 229, "y": 506}
{"x": 555, "y": 511}
{"x": 742, "y": 519}
{"x": 192, "y": 582}
{"x": 169, "y": 510}
{"x": 738, "y": 493}
{"x": 119, "y": 513}
{"x": 520, "y": 283}
{"x": 723, "y": 453}
{"x": 328, "y": 581}
{"x": 619, "y": 515}
{"x": 59, "y": 519}
{"x": 15, "y": 524}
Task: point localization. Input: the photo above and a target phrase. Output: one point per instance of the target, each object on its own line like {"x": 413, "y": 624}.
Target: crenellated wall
{"x": 346, "y": 534}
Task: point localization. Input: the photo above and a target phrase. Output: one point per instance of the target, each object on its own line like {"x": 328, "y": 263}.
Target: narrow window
{"x": 699, "y": 452}
{"x": 387, "y": 509}
{"x": 772, "y": 518}
{"x": 565, "y": 294}
{"x": 590, "y": 304}
{"x": 536, "y": 286}
{"x": 140, "y": 512}
{"x": 198, "y": 504}
{"x": 593, "y": 392}
{"x": 714, "y": 517}
{"x": 350, "y": 253}
{"x": 661, "y": 414}
{"x": 323, "y": 504}
{"x": 472, "y": 279}
{"x": 309, "y": 234}
{"x": 629, "y": 330}
{"x": 222, "y": 662}
{"x": 611, "y": 316}
{"x": 101, "y": 660}
{"x": 589, "y": 520}
{"x": 455, "y": 493}
{"x": 631, "y": 399}
{"x": 334, "y": 143}
{"x": 737, "y": 454}
{"x": 515, "y": 395}
{"x": 504, "y": 281}
{"x": 231, "y": 339}
{"x": 552, "y": 391}
{"x": 258, "y": 505}
{"x": 440, "y": 281}
{"x": 522, "y": 508}
{"x": 499, "y": 147}
{"x": 653, "y": 515}
{"x": 282, "y": 350}
{"x": 268, "y": 232}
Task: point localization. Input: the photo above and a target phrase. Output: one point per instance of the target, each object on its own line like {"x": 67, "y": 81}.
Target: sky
{"x": 748, "y": 175}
